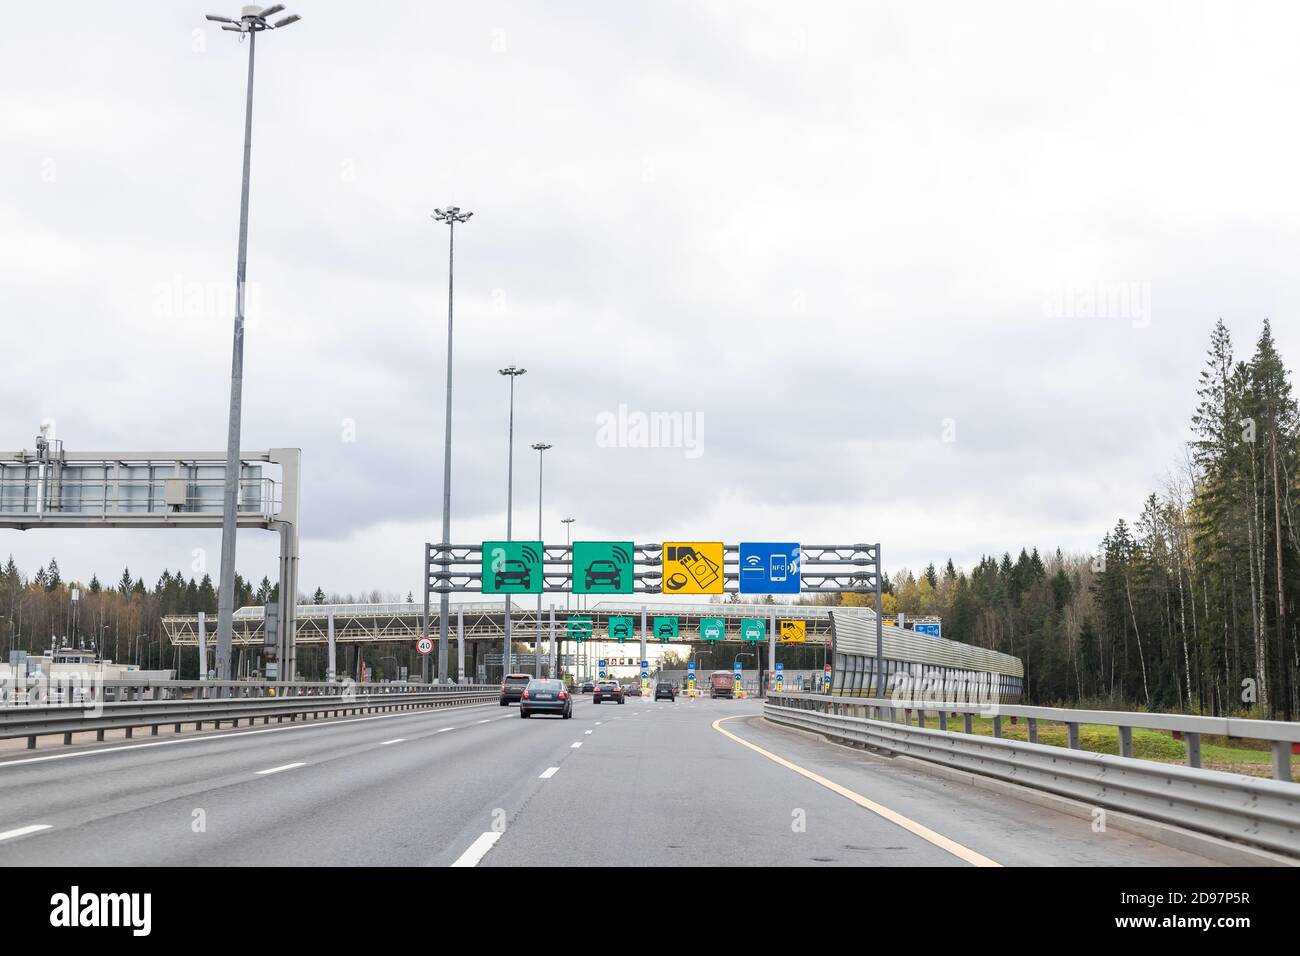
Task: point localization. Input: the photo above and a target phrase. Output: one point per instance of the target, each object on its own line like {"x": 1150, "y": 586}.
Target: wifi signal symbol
{"x": 530, "y": 553}
{"x": 621, "y": 555}
{"x": 753, "y": 561}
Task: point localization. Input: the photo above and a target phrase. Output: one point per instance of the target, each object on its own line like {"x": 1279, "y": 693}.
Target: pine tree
{"x": 207, "y": 596}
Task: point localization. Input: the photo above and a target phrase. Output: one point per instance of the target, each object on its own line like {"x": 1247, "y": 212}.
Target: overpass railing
{"x": 1260, "y": 812}
{"x": 219, "y": 703}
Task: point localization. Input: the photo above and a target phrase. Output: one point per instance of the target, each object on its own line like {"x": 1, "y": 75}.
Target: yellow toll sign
{"x": 794, "y": 632}
{"x": 693, "y": 567}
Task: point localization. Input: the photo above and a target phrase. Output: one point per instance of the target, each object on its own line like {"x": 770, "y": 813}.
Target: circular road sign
{"x": 425, "y": 646}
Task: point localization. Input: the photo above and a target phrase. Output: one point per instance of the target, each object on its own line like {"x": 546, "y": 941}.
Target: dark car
{"x": 607, "y": 690}
{"x": 620, "y": 629}
{"x": 665, "y": 690}
{"x": 514, "y": 572}
{"x": 633, "y": 690}
{"x": 512, "y": 688}
{"x": 546, "y": 697}
{"x": 588, "y": 686}
{"x": 604, "y": 571}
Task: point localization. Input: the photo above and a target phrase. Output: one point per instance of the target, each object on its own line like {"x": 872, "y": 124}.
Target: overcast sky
{"x": 938, "y": 275}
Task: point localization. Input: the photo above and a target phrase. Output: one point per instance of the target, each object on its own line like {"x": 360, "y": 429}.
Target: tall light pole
{"x": 568, "y": 544}
{"x": 251, "y": 22}
{"x": 512, "y": 373}
{"x": 451, "y": 215}
{"x": 539, "y": 447}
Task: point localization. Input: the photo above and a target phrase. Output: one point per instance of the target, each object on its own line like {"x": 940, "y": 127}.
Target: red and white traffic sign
{"x": 425, "y": 646}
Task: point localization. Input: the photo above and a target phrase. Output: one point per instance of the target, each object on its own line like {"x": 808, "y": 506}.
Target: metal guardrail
{"x": 1283, "y": 737}
{"x": 33, "y": 721}
{"x": 120, "y": 689}
{"x": 1262, "y": 813}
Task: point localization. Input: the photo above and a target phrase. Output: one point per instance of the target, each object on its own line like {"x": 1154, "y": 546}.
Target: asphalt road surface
{"x": 695, "y": 782}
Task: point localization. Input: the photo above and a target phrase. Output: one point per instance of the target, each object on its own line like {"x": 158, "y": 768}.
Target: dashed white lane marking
{"x": 548, "y": 773}
{"x": 287, "y": 766}
{"x": 576, "y": 745}
{"x": 395, "y": 740}
{"x": 478, "y": 849}
{"x": 445, "y": 729}
{"x": 586, "y": 731}
{"x": 488, "y": 721}
{"x": 598, "y": 723}
{"x": 925, "y": 833}
{"x": 23, "y": 831}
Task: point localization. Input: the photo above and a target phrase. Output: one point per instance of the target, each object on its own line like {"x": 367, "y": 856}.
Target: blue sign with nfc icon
{"x": 769, "y": 567}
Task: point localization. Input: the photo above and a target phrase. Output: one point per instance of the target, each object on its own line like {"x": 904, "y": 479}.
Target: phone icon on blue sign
{"x": 769, "y": 567}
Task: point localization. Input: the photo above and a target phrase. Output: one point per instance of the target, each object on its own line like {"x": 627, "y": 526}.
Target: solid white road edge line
{"x": 336, "y": 722}
{"x": 893, "y": 816}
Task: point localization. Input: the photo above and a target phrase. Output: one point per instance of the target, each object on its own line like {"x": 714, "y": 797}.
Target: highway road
{"x": 642, "y": 784}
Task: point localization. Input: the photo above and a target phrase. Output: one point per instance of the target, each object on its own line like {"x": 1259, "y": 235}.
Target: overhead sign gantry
{"x": 53, "y": 488}
{"x": 666, "y": 568}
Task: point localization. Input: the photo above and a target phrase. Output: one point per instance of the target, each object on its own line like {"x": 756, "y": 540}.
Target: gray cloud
{"x": 820, "y": 233}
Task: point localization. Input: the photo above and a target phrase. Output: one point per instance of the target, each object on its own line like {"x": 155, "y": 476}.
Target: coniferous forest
{"x": 1189, "y": 603}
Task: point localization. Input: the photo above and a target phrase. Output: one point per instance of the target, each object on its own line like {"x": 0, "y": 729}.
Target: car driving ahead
{"x": 512, "y": 687}
{"x": 665, "y": 690}
{"x": 607, "y": 690}
{"x": 546, "y": 696}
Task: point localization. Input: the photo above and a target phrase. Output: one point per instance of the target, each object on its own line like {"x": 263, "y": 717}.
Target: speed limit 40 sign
{"x": 425, "y": 645}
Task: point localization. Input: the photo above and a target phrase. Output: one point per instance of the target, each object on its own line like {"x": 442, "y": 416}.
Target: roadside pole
{"x": 460, "y": 645}
{"x": 642, "y": 657}
{"x": 771, "y": 645}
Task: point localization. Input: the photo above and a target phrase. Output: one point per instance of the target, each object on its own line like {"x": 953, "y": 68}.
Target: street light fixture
{"x": 540, "y": 448}
{"x": 512, "y": 373}
{"x": 451, "y": 215}
{"x": 252, "y": 21}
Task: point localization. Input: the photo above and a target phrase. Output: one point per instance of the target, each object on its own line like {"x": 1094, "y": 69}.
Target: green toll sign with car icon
{"x": 602, "y": 567}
